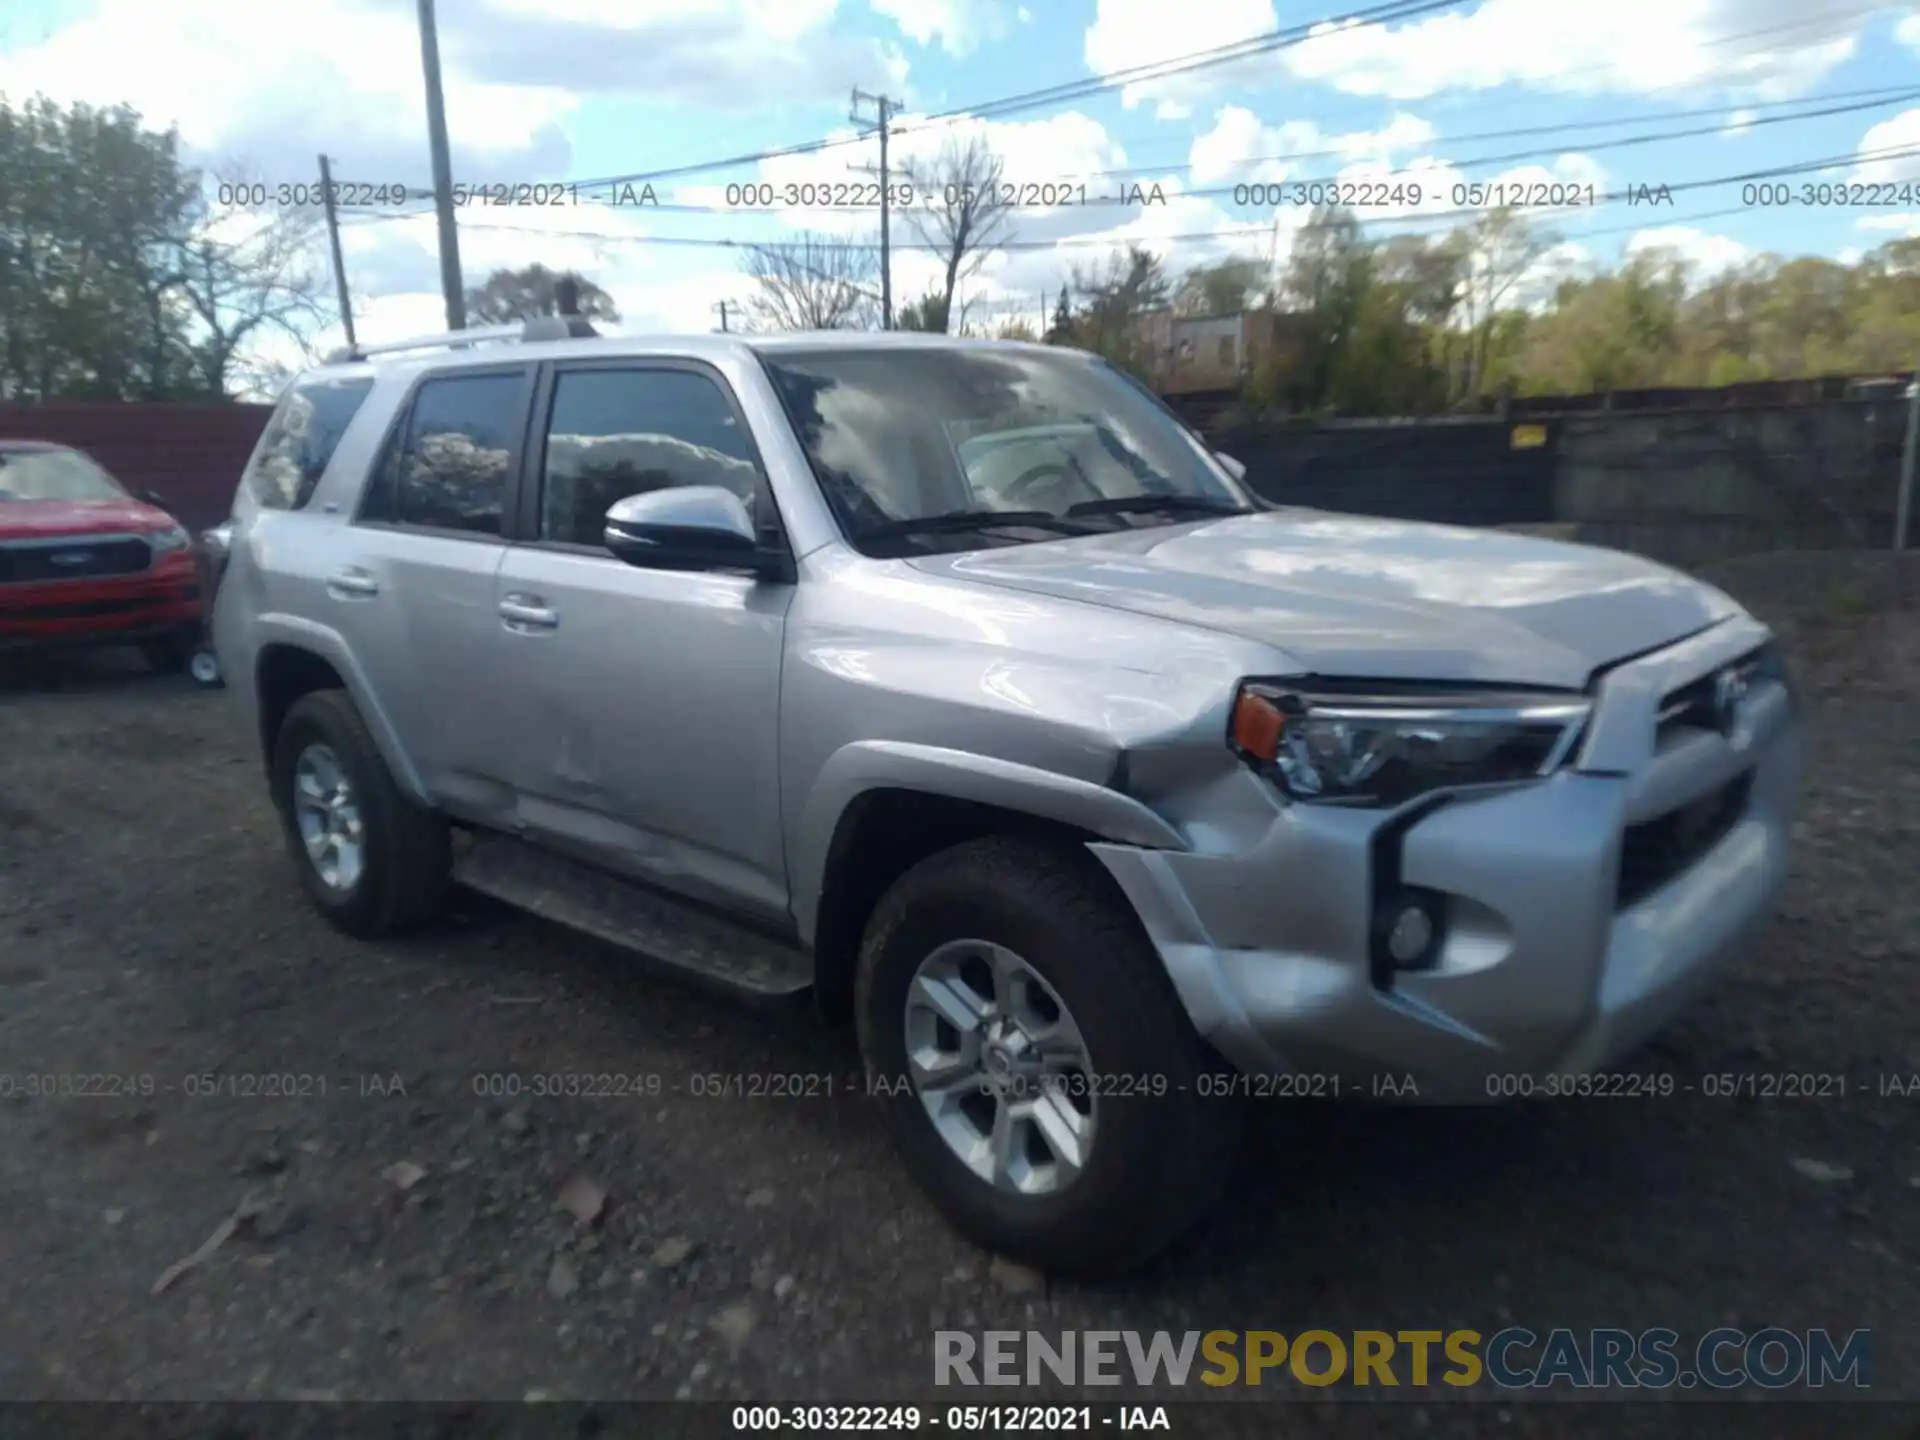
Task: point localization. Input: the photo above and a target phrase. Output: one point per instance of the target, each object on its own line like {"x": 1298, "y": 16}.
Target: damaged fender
{"x": 956, "y": 774}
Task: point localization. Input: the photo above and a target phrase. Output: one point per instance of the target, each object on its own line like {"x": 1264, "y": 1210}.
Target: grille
{"x": 1655, "y": 851}
{"x": 81, "y": 560}
{"x": 82, "y": 609}
{"x": 1693, "y": 707}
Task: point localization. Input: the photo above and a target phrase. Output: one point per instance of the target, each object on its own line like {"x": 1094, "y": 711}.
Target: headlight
{"x": 171, "y": 538}
{"x": 1372, "y": 749}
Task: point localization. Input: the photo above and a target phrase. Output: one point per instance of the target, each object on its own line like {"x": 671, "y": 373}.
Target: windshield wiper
{"x": 960, "y": 521}
{"x": 1149, "y": 504}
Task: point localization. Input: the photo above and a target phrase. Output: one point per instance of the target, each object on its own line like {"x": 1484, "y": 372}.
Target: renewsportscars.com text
{"x": 1513, "y": 1358}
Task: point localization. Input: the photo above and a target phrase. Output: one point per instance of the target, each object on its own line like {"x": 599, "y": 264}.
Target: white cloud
{"x": 960, "y": 25}
{"x": 1706, "y": 254}
{"x": 1241, "y": 148}
{"x": 1903, "y": 225}
{"x": 232, "y": 82}
{"x": 1878, "y": 165}
{"x": 270, "y": 82}
{"x": 1738, "y": 123}
{"x": 1766, "y": 48}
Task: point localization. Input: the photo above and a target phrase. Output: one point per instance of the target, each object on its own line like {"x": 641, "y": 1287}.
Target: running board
{"x": 678, "y": 934}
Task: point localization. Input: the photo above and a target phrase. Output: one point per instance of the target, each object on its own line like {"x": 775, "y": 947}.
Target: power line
{"x": 1285, "y": 37}
{"x": 1405, "y": 218}
{"x": 1883, "y": 97}
{"x": 1828, "y": 18}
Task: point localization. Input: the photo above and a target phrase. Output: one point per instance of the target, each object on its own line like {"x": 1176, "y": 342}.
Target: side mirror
{"x": 155, "y": 498}
{"x": 1233, "y": 467}
{"x": 687, "y": 527}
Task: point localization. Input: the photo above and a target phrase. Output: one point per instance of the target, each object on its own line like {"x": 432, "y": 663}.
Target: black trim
{"x": 1383, "y": 854}
{"x": 778, "y": 564}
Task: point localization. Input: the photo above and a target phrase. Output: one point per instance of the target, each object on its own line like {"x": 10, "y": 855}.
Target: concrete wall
{"x": 1686, "y": 487}
{"x": 1694, "y": 487}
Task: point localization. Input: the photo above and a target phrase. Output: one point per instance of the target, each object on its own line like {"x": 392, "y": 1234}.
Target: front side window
{"x": 54, "y": 475}
{"x": 450, "y": 472}
{"x": 968, "y": 447}
{"x": 300, "y": 439}
{"x": 615, "y": 433}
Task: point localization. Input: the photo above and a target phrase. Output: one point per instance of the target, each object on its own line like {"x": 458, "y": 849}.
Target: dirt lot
{"x": 402, "y": 1235}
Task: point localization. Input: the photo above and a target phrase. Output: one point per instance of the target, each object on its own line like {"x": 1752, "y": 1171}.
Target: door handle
{"x": 352, "y": 581}
{"x": 526, "y": 611}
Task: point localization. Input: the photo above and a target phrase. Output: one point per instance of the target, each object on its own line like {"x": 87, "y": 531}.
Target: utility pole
{"x": 333, "y": 242}
{"x": 885, "y": 109}
{"x": 722, "y": 308}
{"x": 1904, "y": 509}
{"x": 442, "y": 171}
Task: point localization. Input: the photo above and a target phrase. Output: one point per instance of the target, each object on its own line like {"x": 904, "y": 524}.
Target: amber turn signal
{"x": 1257, "y": 723}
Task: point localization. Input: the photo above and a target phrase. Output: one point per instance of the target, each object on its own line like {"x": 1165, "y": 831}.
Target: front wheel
{"x": 1042, "y": 1076}
{"x": 370, "y": 860}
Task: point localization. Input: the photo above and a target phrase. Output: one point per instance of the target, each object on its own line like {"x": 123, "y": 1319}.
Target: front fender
{"x": 281, "y": 629}
{"x": 867, "y": 765}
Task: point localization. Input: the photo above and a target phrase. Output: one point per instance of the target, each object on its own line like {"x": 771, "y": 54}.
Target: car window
{"x": 450, "y": 473}
{"x": 900, "y": 435}
{"x": 300, "y": 439}
{"x": 615, "y": 433}
{"x": 54, "y": 475}
{"x": 1003, "y": 468}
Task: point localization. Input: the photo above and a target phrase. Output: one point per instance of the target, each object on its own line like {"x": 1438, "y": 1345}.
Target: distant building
{"x": 1188, "y": 354}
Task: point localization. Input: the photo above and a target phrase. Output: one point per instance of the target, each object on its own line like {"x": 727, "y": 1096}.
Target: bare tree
{"x": 813, "y": 283}
{"x": 1500, "y": 248}
{"x": 961, "y": 209}
{"x": 244, "y": 275}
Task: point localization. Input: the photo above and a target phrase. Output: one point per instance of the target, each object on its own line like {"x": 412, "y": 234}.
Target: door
{"x": 644, "y": 703}
{"x": 412, "y": 589}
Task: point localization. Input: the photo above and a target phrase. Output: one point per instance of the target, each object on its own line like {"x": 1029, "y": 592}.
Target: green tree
{"x": 1225, "y": 287}
{"x": 928, "y": 313}
{"x": 93, "y": 209}
{"x": 1117, "y": 298}
{"x": 1060, "y": 328}
{"x": 530, "y": 292}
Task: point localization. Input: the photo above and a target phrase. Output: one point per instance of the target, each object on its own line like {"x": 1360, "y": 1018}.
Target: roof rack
{"x": 544, "y": 327}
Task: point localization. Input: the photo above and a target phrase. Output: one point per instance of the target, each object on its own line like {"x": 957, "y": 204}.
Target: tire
{"x": 402, "y": 878}
{"x": 1157, "y": 1162}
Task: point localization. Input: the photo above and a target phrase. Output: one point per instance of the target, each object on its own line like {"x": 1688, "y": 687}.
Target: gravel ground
{"x": 400, "y": 1235}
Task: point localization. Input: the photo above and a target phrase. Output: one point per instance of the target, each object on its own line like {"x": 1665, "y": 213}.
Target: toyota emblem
{"x": 1729, "y": 689}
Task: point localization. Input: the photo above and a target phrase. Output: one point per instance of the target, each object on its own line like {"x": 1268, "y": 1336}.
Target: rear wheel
{"x": 1042, "y": 1075}
{"x": 370, "y": 860}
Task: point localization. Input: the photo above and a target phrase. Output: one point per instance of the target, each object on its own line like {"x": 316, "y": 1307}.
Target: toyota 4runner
{"x": 959, "y": 684}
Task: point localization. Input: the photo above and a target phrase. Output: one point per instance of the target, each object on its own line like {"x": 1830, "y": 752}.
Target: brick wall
{"x": 192, "y": 455}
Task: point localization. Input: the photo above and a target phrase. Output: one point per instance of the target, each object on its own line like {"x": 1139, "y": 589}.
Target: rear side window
{"x": 450, "y": 469}
{"x": 300, "y": 439}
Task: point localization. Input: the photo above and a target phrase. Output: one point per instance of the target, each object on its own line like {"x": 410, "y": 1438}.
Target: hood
{"x": 1373, "y": 599}
{"x": 49, "y": 519}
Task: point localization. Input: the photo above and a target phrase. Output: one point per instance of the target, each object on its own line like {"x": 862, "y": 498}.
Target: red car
{"x": 82, "y": 562}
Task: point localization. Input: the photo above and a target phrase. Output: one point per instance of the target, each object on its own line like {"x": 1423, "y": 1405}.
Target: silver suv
{"x": 959, "y": 684}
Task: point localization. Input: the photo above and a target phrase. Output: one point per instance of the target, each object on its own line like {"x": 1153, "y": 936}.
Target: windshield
{"x": 1059, "y": 444}
{"x": 54, "y": 475}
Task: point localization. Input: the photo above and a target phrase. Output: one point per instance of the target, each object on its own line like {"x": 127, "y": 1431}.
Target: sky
{"x": 1663, "y": 122}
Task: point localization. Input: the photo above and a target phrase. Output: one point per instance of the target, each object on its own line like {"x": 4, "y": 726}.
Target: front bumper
{"x": 1553, "y": 961}
{"x": 109, "y": 610}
